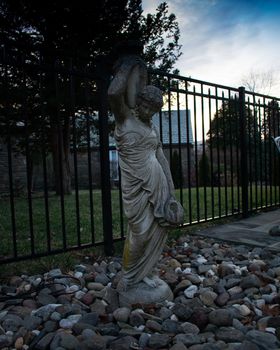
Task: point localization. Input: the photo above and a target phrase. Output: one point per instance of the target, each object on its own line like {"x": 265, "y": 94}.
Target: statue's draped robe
{"x": 145, "y": 192}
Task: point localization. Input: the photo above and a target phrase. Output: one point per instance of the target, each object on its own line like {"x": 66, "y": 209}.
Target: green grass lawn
{"x": 204, "y": 203}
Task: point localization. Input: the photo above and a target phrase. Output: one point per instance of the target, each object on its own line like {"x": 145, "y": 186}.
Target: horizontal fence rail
{"x": 60, "y": 184}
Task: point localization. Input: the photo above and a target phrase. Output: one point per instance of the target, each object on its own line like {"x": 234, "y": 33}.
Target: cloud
{"x": 223, "y": 40}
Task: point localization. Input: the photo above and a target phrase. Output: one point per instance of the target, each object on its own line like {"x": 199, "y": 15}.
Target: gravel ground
{"x": 225, "y": 297}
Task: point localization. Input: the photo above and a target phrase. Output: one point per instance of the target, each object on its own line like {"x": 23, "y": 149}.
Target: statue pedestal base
{"x": 141, "y": 293}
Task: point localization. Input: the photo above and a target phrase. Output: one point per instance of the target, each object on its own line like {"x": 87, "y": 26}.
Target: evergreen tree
{"x": 45, "y": 33}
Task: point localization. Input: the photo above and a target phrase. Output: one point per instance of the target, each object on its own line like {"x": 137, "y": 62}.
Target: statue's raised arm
{"x": 129, "y": 79}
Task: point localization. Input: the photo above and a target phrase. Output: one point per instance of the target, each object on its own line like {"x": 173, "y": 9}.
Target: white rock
{"x": 138, "y": 311}
{"x": 74, "y": 318}
{"x": 79, "y": 294}
{"x": 190, "y": 291}
{"x": 174, "y": 318}
{"x": 169, "y": 304}
{"x": 68, "y": 323}
{"x": 187, "y": 270}
{"x": 259, "y": 303}
{"x": 9, "y": 333}
{"x": 35, "y": 332}
{"x": 238, "y": 271}
{"x": 78, "y": 274}
{"x": 270, "y": 330}
{"x": 210, "y": 273}
{"x": 72, "y": 289}
{"x": 37, "y": 281}
{"x": 27, "y": 287}
{"x": 200, "y": 259}
{"x": 140, "y": 328}
{"x": 243, "y": 309}
{"x": 178, "y": 270}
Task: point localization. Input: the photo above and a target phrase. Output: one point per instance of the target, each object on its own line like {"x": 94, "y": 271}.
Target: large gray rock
{"x": 141, "y": 293}
{"x": 221, "y": 317}
{"x": 263, "y": 340}
{"x": 158, "y": 341}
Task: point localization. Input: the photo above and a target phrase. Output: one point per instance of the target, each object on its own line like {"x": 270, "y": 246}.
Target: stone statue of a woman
{"x": 147, "y": 186}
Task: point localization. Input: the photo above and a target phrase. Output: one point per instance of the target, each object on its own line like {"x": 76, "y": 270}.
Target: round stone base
{"x": 141, "y": 293}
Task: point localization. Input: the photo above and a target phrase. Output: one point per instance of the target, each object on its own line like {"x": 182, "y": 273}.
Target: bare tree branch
{"x": 259, "y": 81}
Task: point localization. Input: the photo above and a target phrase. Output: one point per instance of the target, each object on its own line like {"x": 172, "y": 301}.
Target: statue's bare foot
{"x": 150, "y": 282}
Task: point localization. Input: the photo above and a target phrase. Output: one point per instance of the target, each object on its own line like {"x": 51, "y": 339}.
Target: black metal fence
{"x": 56, "y": 139}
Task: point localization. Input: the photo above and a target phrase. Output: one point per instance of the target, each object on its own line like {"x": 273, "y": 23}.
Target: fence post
{"x": 243, "y": 152}
{"x": 102, "y": 87}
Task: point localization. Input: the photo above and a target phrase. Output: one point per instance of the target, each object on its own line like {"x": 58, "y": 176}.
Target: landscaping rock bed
{"x": 225, "y": 297}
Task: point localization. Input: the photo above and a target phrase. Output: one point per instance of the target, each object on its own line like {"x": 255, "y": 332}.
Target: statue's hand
{"x": 174, "y": 212}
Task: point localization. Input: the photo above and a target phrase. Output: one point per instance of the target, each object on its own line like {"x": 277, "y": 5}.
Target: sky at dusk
{"x": 223, "y": 41}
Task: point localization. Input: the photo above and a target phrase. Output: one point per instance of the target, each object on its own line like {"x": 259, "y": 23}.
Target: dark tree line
{"x": 262, "y": 123}
{"x": 75, "y": 36}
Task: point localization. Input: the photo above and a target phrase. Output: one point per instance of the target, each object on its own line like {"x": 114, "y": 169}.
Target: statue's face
{"x": 146, "y": 110}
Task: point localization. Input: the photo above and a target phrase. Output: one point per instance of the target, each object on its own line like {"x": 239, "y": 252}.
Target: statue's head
{"x": 149, "y": 102}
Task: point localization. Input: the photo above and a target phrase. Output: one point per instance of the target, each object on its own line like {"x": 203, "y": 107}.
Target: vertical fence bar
{"x": 196, "y": 155}
{"x": 102, "y": 85}
{"x": 160, "y": 126}
{"x": 74, "y": 135}
{"x": 269, "y": 150}
{"x": 179, "y": 145}
{"x": 12, "y": 201}
{"x": 170, "y": 121}
{"x": 260, "y": 154}
{"x": 88, "y": 136}
{"x": 249, "y": 143}
{"x": 27, "y": 156}
{"x": 274, "y": 174}
{"x": 230, "y": 101}
{"x": 278, "y": 153}
{"x": 265, "y": 149}
{"x": 29, "y": 185}
{"x": 237, "y": 147}
{"x": 218, "y": 152}
{"x": 46, "y": 195}
{"x": 10, "y": 156}
{"x": 243, "y": 151}
{"x": 188, "y": 120}
{"x": 203, "y": 152}
{"x": 44, "y": 158}
{"x": 256, "y": 132}
{"x": 60, "y": 157}
{"x": 211, "y": 155}
{"x": 225, "y": 152}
